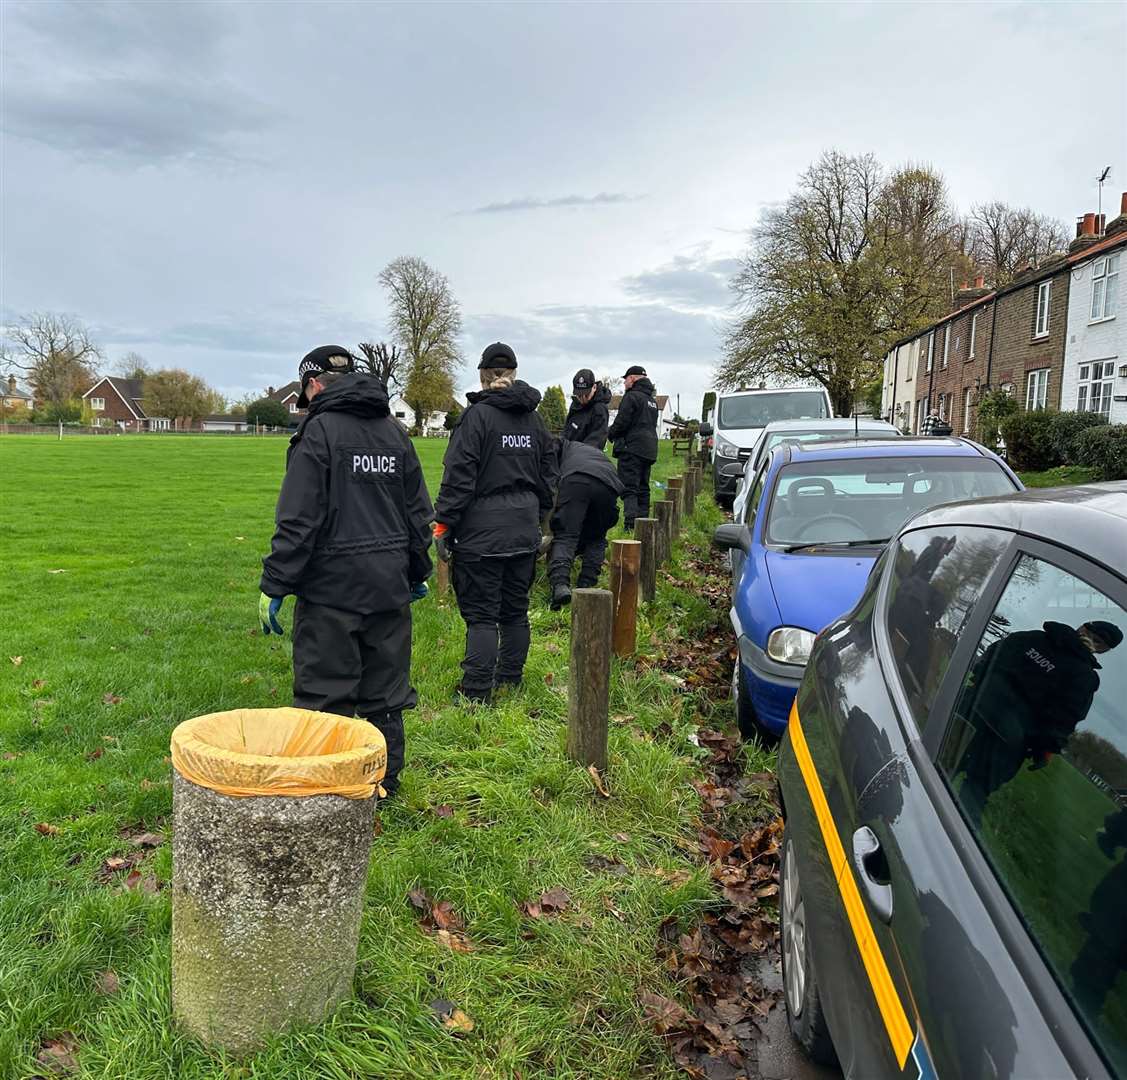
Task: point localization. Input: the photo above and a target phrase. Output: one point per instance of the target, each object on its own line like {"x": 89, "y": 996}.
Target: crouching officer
{"x": 587, "y": 506}
{"x": 634, "y": 438}
{"x": 353, "y": 528}
{"x": 588, "y": 417}
{"x": 498, "y": 482}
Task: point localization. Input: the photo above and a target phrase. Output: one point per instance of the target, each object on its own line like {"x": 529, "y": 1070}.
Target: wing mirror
{"x": 705, "y": 430}
{"x": 731, "y": 536}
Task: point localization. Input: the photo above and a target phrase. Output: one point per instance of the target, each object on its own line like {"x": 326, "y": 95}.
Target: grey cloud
{"x": 604, "y": 198}
{"x": 687, "y": 281}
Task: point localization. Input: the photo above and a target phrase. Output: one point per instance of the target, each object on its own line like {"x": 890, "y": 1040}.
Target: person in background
{"x": 633, "y": 436}
{"x": 498, "y": 482}
{"x": 935, "y": 425}
{"x": 588, "y": 418}
{"x": 351, "y": 539}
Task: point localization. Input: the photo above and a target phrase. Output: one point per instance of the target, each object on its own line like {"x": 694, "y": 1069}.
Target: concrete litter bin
{"x": 273, "y": 818}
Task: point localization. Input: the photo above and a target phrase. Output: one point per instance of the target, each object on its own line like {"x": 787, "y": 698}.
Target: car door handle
{"x": 872, "y": 868}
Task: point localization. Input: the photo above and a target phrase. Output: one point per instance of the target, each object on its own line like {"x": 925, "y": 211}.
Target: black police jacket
{"x": 353, "y": 516}
{"x": 634, "y": 430}
{"x": 499, "y": 475}
{"x": 579, "y": 458}
{"x": 588, "y": 423}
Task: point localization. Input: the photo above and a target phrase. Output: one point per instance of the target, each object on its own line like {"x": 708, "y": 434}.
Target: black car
{"x": 954, "y": 781}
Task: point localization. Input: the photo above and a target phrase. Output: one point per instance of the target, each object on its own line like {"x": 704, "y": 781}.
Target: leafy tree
{"x": 426, "y": 321}
{"x": 385, "y": 362}
{"x": 57, "y": 355}
{"x": 994, "y": 406}
{"x": 268, "y": 413}
{"x": 708, "y": 404}
{"x": 179, "y": 396}
{"x": 1091, "y": 751}
{"x": 553, "y": 409}
{"x": 871, "y": 396}
{"x": 452, "y": 416}
{"x": 54, "y": 412}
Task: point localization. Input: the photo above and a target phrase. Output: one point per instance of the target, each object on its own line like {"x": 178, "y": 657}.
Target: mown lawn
{"x": 129, "y": 604}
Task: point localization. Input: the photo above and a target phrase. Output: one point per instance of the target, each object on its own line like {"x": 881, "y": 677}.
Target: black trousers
{"x": 493, "y": 599}
{"x": 356, "y": 665}
{"x": 635, "y": 476}
{"x": 585, "y": 510}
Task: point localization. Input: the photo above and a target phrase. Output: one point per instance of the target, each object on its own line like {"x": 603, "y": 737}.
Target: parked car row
{"x": 944, "y": 656}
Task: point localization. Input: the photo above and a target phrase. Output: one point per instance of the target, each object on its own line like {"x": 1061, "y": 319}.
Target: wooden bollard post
{"x": 625, "y": 564}
{"x": 664, "y": 510}
{"x": 442, "y": 577}
{"x": 689, "y": 492}
{"x": 676, "y": 497}
{"x": 646, "y": 530}
{"x": 588, "y": 690}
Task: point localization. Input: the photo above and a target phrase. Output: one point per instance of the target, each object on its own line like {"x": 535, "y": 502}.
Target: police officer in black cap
{"x": 587, "y": 506}
{"x": 633, "y": 436}
{"x": 498, "y": 483}
{"x": 588, "y": 417}
{"x": 353, "y": 529}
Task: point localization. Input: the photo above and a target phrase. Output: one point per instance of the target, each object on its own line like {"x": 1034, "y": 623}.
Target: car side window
{"x": 937, "y": 576}
{"x": 753, "y": 498}
{"x": 1036, "y": 757}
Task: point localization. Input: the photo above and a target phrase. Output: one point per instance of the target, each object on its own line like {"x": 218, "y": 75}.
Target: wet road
{"x": 780, "y": 1057}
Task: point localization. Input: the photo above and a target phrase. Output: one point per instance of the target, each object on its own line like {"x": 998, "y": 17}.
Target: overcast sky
{"x": 218, "y": 186}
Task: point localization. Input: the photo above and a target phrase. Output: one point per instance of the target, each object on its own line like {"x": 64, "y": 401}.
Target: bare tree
{"x": 383, "y": 361}
{"x": 425, "y": 321}
{"x": 133, "y": 366}
{"x": 56, "y": 353}
{"x": 1002, "y": 239}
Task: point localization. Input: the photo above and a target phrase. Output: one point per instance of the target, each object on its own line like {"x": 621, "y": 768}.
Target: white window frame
{"x": 1097, "y": 376}
{"x": 159, "y": 423}
{"x": 293, "y": 406}
{"x": 943, "y": 406}
{"x": 1041, "y": 319}
{"x": 97, "y": 404}
{"x": 930, "y": 350}
{"x": 1037, "y": 389}
{"x": 946, "y": 347}
{"x": 1105, "y": 281}
{"x": 973, "y": 332}
{"x": 968, "y": 394}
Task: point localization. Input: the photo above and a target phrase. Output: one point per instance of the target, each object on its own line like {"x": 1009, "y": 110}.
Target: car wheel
{"x": 805, "y": 1018}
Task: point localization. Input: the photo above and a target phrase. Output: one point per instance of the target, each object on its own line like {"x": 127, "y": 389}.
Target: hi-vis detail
{"x": 373, "y": 463}
{"x": 516, "y": 442}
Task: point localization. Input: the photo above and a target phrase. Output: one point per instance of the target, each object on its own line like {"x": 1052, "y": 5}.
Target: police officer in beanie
{"x": 588, "y": 417}
{"x": 586, "y": 507}
{"x": 498, "y": 483}
{"x": 634, "y": 438}
{"x": 353, "y": 529}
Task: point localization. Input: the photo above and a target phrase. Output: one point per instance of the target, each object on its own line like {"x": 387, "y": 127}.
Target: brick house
{"x": 116, "y": 403}
{"x": 12, "y": 396}
{"x": 287, "y": 395}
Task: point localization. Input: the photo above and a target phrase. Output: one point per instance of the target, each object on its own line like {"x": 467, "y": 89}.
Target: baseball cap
{"x": 498, "y": 355}
{"x": 324, "y": 358}
{"x": 584, "y": 379}
{"x": 1107, "y": 632}
{"x": 636, "y": 369}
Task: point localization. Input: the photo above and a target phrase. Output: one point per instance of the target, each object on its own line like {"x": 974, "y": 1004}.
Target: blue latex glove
{"x": 268, "y": 608}
{"x": 418, "y": 591}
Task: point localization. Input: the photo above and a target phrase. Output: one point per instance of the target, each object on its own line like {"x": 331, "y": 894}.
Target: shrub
{"x": 1065, "y": 429}
{"x": 1104, "y": 448}
{"x": 268, "y": 413}
{"x": 993, "y": 407}
{"x": 1029, "y": 442}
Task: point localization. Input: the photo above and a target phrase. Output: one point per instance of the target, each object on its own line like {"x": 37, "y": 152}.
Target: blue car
{"x": 817, "y": 518}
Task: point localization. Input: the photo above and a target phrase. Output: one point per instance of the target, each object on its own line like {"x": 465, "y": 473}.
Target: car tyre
{"x": 746, "y": 719}
{"x": 805, "y": 1018}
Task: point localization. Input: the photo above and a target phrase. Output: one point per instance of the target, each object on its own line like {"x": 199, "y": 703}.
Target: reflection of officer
{"x": 586, "y": 508}
{"x": 1033, "y": 689}
{"x": 1104, "y": 955}
{"x": 497, "y": 484}
{"x": 916, "y": 609}
{"x": 588, "y": 417}
{"x": 353, "y": 528}
{"x": 634, "y": 436}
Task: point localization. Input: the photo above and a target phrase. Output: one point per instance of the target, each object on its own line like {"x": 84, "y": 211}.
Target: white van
{"x": 739, "y": 418}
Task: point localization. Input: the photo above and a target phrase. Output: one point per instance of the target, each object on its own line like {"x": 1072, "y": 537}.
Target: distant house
{"x": 665, "y": 413}
{"x": 221, "y": 422}
{"x": 12, "y": 397}
{"x": 288, "y": 396}
{"x": 435, "y": 423}
{"x": 117, "y": 403}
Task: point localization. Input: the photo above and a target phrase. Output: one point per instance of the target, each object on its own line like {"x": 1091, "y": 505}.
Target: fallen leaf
{"x": 622, "y": 838}
{"x": 444, "y": 916}
{"x": 109, "y": 738}
{"x": 111, "y": 699}
{"x": 17, "y": 660}
{"x": 147, "y": 840}
{"x": 46, "y": 830}
{"x": 531, "y": 909}
{"x": 9, "y": 756}
{"x": 452, "y": 1018}
{"x": 38, "y": 684}
{"x": 557, "y": 899}
{"x": 457, "y": 942}
{"x": 147, "y": 785}
{"x": 444, "y": 811}
{"x": 95, "y": 754}
{"x": 663, "y": 1014}
{"x": 146, "y": 883}
{"x": 107, "y": 982}
{"x": 549, "y": 678}
{"x": 600, "y": 786}
{"x": 59, "y": 1055}
{"x": 676, "y": 878}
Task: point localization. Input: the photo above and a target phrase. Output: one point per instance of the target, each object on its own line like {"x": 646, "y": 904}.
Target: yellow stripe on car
{"x": 884, "y": 990}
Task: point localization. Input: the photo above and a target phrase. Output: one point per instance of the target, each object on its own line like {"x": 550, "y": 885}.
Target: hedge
{"x": 1104, "y": 448}
{"x": 1029, "y": 440}
{"x": 1065, "y": 429}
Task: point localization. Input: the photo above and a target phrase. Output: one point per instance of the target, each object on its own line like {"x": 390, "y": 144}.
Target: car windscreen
{"x": 758, "y": 410}
{"x": 867, "y": 499}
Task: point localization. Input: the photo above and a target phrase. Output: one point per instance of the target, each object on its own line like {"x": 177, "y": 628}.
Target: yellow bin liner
{"x": 296, "y": 752}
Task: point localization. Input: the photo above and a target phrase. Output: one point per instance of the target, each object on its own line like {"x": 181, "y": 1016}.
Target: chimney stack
{"x": 980, "y": 282}
{"x": 1086, "y": 233}
{"x": 11, "y": 384}
{"x": 269, "y": 391}
{"x": 1118, "y": 224}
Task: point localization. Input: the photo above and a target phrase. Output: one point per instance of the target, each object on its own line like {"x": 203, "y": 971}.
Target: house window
{"x": 1044, "y": 293}
{"x": 159, "y": 423}
{"x": 973, "y": 332}
{"x": 400, "y": 416}
{"x": 968, "y": 395}
{"x": 943, "y": 406}
{"x": 1105, "y": 286}
{"x": 97, "y": 404}
{"x": 921, "y": 414}
{"x": 1094, "y": 391}
{"x": 930, "y": 349}
{"x": 1037, "y": 389}
{"x": 946, "y": 346}
{"x": 293, "y": 406}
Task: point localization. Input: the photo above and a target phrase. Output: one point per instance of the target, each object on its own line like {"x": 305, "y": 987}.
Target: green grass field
{"x": 129, "y": 604}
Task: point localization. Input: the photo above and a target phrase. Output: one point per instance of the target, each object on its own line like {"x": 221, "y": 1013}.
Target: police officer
{"x": 633, "y": 436}
{"x": 586, "y": 507}
{"x": 498, "y": 482}
{"x": 588, "y": 417}
{"x": 353, "y": 529}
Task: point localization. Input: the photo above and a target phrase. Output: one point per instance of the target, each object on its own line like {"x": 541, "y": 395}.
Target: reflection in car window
{"x": 937, "y": 576}
{"x": 753, "y": 497}
{"x": 1036, "y": 754}
{"x": 758, "y": 410}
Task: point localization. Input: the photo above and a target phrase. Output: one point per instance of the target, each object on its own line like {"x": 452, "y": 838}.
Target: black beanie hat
{"x": 1107, "y": 632}
{"x": 497, "y": 355}
{"x": 323, "y": 358}
{"x": 636, "y": 369}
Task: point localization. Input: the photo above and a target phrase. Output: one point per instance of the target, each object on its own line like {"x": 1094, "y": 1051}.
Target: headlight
{"x": 726, "y": 449}
{"x": 790, "y": 645}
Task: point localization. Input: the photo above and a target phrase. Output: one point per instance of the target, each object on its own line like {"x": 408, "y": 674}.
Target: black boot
{"x": 464, "y": 694}
{"x": 561, "y": 596}
{"x": 390, "y": 725}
